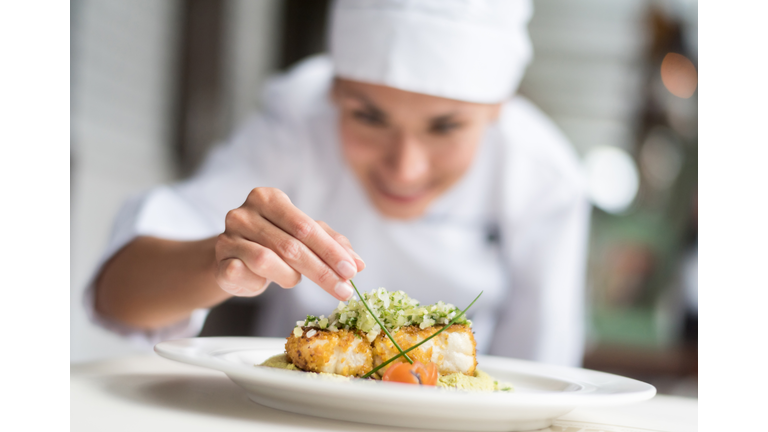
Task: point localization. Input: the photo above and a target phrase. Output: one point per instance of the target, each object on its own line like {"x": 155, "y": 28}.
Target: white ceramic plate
{"x": 542, "y": 392}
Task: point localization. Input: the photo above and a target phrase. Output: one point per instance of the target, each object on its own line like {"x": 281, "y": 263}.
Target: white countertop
{"x": 150, "y": 393}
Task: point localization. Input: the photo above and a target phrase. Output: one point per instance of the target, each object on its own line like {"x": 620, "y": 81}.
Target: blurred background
{"x": 156, "y": 83}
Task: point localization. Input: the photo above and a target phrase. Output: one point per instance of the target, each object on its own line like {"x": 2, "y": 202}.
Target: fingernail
{"x": 360, "y": 264}
{"x": 359, "y": 261}
{"x": 346, "y": 269}
{"x": 343, "y": 290}
{"x": 358, "y": 257}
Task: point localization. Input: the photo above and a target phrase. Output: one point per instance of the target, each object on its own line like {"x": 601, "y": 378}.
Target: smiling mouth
{"x": 409, "y": 197}
{"x": 404, "y": 198}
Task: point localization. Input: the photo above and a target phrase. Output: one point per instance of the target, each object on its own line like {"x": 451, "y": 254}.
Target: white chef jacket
{"x": 515, "y": 226}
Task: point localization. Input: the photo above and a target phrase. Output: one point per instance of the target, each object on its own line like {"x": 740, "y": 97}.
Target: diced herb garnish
{"x": 380, "y": 324}
{"x": 394, "y": 309}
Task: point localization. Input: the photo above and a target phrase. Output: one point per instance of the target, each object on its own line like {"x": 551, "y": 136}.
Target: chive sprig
{"x": 404, "y": 353}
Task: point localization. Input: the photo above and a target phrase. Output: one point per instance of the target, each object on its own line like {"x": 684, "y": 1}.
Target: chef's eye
{"x": 369, "y": 118}
{"x": 444, "y": 127}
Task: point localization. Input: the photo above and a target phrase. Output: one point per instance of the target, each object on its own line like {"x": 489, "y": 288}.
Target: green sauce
{"x": 280, "y": 361}
{"x": 480, "y": 382}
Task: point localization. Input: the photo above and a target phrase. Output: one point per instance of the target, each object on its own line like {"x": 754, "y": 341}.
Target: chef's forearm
{"x": 152, "y": 282}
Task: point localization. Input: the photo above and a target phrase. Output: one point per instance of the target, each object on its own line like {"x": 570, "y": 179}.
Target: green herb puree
{"x": 480, "y": 382}
{"x": 280, "y": 361}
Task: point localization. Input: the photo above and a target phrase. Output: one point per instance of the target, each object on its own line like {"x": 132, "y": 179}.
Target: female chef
{"x": 408, "y": 139}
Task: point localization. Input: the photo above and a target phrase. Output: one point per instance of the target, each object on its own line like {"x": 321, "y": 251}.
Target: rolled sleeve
{"x": 259, "y": 154}
{"x": 159, "y": 213}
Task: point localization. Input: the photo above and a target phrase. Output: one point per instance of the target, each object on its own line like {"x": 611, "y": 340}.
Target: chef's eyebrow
{"x": 370, "y": 105}
{"x": 445, "y": 117}
{"x": 367, "y": 102}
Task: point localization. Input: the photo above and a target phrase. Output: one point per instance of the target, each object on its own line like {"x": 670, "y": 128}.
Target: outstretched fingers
{"x": 342, "y": 240}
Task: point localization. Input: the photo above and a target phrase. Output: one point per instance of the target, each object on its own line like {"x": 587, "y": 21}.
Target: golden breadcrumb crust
{"x": 314, "y": 353}
{"x": 328, "y": 351}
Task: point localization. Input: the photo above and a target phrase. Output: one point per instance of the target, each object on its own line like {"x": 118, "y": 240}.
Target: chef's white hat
{"x": 470, "y": 50}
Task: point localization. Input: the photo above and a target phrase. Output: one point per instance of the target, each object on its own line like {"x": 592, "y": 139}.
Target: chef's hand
{"x": 269, "y": 239}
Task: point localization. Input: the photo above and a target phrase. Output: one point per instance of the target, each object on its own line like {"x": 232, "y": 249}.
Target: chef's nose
{"x": 409, "y": 160}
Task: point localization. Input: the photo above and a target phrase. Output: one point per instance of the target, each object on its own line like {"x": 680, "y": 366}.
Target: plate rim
{"x": 206, "y": 352}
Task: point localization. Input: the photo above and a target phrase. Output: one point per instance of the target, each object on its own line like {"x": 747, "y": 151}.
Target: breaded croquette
{"x": 344, "y": 352}
{"x": 453, "y": 350}
{"x": 351, "y": 342}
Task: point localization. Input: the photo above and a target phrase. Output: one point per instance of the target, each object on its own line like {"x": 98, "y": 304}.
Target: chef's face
{"x": 407, "y": 148}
